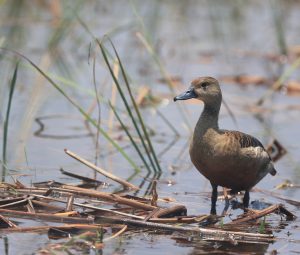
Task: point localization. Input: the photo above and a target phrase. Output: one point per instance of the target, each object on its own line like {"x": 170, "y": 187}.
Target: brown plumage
{"x": 226, "y": 158}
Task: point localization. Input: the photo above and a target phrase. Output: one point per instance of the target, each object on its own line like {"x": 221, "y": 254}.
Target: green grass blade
{"x": 87, "y": 117}
{"x": 5, "y": 129}
{"x": 98, "y": 111}
{"x": 137, "y": 109}
{"x": 126, "y": 104}
{"x": 130, "y": 137}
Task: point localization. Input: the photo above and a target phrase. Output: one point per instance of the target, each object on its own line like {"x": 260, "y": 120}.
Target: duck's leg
{"x": 246, "y": 199}
{"x": 214, "y": 197}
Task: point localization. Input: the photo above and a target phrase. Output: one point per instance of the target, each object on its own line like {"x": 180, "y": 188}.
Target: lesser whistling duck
{"x": 230, "y": 159}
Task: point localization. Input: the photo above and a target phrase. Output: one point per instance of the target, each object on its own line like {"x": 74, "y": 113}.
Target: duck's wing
{"x": 248, "y": 141}
{"x": 244, "y": 140}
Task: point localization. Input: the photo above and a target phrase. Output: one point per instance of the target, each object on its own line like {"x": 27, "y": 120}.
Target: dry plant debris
{"x": 62, "y": 203}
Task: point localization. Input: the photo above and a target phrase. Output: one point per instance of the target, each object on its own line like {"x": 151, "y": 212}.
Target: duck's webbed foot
{"x": 214, "y": 198}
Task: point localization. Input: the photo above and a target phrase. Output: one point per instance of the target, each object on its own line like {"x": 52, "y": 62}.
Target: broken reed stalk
{"x": 45, "y": 216}
{"x": 87, "y": 206}
{"x": 101, "y": 171}
{"x": 67, "y": 189}
{"x": 106, "y": 196}
{"x": 46, "y": 228}
{"x": 163, "y": 212}
{"x": 205, "y": 233}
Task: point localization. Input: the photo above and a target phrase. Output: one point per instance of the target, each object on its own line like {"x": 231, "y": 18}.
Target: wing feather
{"x": 244, "y": 140}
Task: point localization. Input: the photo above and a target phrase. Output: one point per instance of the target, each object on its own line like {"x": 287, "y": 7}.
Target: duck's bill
{"x": 186, "y": 95}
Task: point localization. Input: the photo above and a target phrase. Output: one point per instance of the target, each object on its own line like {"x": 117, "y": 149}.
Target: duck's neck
{"x": 209, "y": 118}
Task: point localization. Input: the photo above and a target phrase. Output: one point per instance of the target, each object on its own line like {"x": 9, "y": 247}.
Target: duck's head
{"x": 206, "y": 89}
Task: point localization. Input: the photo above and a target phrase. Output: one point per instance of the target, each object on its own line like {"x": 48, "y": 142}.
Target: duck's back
{"x": 230, "y": 159}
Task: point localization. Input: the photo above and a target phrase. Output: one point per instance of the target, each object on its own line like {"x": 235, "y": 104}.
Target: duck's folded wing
{"x": 251, "y": 145}
{"x": 244, "y": 140}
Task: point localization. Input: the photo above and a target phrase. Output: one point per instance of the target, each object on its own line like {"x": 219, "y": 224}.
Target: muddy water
{"x": 192, "y": 38}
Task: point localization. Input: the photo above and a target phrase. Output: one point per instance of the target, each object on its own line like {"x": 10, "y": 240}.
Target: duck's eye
{"x": 204, "y": 85}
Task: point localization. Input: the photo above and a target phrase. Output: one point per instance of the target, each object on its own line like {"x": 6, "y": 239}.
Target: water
{"x": 192, "y": 38}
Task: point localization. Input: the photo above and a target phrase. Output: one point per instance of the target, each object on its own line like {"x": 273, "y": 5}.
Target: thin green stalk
{"x": 99, "y": 111}
{"x": 130, "y": 137}
{"x": 5, "y": 129}
{"x": 126, "y": 103}
{"x": 137, "y": 109}
{"x": 87, "y": 116}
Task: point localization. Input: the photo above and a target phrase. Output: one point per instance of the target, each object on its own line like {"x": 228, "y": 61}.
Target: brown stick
{"x": 67, "y": 189}
{"x": 107, "y": 196}
{"x": 46, "y": 228}
{"x": 92, "y": 207}
{"x": 101, "y": 171}
{"x": 45, "y": 216}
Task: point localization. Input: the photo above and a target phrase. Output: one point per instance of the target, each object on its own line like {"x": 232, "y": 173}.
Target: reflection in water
{"x": 210, "y": 247}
